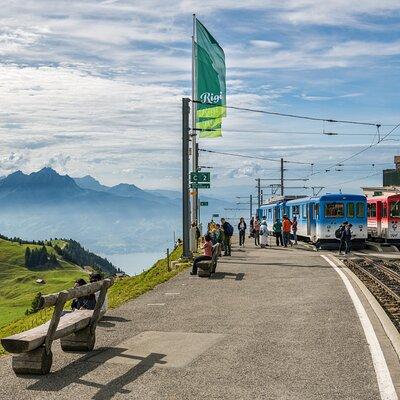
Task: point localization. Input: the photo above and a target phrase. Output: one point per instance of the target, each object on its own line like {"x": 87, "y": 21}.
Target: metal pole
{"x": 258, "y": 192}
{"x": 185, "y": 177}
{"x": 168, "y": 265}
{"x": 251, "y": 207}
{"x": 282, "y": 189}
{"x": 262, "y": 197}
{"x": 193, "y": 135}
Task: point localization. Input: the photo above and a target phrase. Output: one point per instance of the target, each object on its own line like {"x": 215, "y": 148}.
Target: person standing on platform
{"x": 263, "y": 234}
{"x": 207, "y": 250}
{"x": 251, "y": 233}
{"x": 256, "y": 230}
{"x": 286, "y": 227}
{"x": 345, "y": 238}
{"x": 277, "y": 229}
{"x": 294, "y": 229}
{"x": 242, "y": 231}
{"x": 228, "y": 232}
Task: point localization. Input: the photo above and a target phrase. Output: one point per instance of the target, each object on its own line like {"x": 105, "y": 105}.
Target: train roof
{"x": 324, "y": 197}
{"x": 384, "y": 197}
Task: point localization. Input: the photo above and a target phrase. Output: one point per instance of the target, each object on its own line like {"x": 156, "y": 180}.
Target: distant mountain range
{"x": 117, "y": 219}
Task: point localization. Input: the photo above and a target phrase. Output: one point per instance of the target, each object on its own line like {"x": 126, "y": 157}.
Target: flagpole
{"x": 194, "y": 132}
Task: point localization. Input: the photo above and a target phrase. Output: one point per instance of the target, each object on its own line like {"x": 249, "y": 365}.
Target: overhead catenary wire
{"x": 331, "y": 120}
{"x": 252, "y": 157}
{"x": 358, "y": 152}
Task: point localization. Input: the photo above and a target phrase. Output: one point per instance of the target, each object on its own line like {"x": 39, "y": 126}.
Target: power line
{"x": 358, "y": 152}
{"x": 292, "y": 115}
{"x": 356, "y": 179}
{"x": 299, "y": 132}
{"x": 253, "y": 157}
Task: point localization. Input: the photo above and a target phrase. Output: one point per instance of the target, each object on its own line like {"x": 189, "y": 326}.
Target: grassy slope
{"x": 123, "y": 290}
{"x": 17, "y": 283}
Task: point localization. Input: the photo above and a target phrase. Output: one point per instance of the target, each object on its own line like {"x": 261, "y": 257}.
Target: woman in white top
{"x": 263, "y": 234}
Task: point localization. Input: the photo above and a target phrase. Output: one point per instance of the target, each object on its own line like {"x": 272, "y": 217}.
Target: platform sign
{"x": 200, "y": 177}
{"x": 198, "y": 185}
{"x": 204, "y": 203}
{"x": 215, "y": 215}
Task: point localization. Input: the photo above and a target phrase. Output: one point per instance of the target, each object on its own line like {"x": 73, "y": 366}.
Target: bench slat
{"x": 34, "y": 338}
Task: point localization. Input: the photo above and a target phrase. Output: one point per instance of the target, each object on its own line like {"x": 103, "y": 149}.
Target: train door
{"x": 311, "y": 222}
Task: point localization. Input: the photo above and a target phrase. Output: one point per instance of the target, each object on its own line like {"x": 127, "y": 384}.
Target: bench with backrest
{"x": 207, "y": 267}
{"x": 31, "y": 349}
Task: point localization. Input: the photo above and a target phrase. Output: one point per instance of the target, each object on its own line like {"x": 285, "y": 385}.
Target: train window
{"x": 303, "y": 211}
{"x": 384, "y": 210}
{"x": 334, "y": 210}
{"x": 316, "y": 210}
{"x": 350, "y": 210}
{"x": 372, "y": 210}
{"x": 360, "y": 210}
{"x": 295, "y": 210}
{"x": 395, "y": 209}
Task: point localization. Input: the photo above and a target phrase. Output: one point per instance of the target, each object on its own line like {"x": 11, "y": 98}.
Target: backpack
{"x": 229, "y": 229}
{"x": 338, "y": 233}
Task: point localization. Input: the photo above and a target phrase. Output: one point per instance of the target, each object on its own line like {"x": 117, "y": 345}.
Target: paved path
{"x": 271, "y": 324}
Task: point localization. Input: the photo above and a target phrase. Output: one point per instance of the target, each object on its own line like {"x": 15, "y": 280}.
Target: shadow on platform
{"x": 229, "y": 275}
{"x": 109, "y": 321}
{"x": 74, "y": 373}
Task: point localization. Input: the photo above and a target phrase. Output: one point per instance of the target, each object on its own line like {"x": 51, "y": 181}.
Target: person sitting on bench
{"x": 207, "y": 249}
{"x": 83, "y": 303}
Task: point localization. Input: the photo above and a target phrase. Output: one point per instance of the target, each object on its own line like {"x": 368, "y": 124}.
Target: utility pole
{"x": 251, "y": 207}
{"x": 282, "y": 180}
{"x": 262, "y": 197}
{"x": 185, "y": 177}
{"x": 258, "y": 192}
{"x": 195, "y": 192}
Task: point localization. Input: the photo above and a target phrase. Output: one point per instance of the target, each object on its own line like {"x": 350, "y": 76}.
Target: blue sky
{"x": 94, "y": 87}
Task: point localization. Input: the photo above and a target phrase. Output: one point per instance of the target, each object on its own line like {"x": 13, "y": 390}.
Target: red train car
{"x": 384, "y": 218}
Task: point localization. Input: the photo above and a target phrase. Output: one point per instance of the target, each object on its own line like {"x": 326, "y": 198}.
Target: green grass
{"x": 123, "y": 290}
{"x": 18, "y": 284}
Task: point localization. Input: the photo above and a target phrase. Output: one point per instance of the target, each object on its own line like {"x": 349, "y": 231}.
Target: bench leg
{"x": 203, "y": 272}
{"x": 83, "y": 340}
{"x": 36, "y": 362}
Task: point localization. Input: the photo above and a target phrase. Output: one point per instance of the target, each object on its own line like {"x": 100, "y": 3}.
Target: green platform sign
{"x": 200, "y": 185}
{"x": 200, "y": 177}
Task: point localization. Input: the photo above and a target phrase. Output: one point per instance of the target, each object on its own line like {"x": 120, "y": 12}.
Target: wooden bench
{"x": 76, "y": 330}
{"x": 206, "y": 268}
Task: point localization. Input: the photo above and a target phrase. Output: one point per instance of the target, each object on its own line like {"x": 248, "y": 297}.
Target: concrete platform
{"x": 270, "y": 324}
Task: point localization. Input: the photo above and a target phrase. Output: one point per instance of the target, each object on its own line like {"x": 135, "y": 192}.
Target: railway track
{"x": 382, "y": 281}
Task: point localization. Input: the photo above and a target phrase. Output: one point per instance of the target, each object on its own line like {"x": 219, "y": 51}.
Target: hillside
{"x": 107, "y": 220}
{"x": 18, "y": 283}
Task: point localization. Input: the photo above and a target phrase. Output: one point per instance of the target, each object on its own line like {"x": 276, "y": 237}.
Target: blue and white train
{"x": 319, "y": 217}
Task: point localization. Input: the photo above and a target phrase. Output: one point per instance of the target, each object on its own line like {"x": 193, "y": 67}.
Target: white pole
{"x": 194, "y": 132}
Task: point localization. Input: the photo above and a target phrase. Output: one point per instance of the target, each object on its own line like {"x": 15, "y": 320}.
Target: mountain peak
{"x": 47, "y": 171}
{"x": 46, "y": 179}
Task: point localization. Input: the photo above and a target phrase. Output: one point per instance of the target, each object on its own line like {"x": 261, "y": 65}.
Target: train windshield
{"x": 334, "y": 210}
{"x": 395, "y": 209}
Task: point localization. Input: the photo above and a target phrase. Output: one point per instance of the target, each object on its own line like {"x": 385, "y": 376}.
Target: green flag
{"x": 210, "y": 83}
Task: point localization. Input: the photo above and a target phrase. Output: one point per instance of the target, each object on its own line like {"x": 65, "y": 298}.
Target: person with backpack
{"x": 242, "y": 231}
{"x": 228, "y": 232}
{"x": 286, "y": 225}
{"x": 345, "y": 237}
{"x": 277, "y": 229}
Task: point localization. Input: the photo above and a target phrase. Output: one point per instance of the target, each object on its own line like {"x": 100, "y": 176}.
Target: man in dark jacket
{"x": 344, "y": 240}
{"x": 242, "y": 231}
{"x": 228, "y": 232}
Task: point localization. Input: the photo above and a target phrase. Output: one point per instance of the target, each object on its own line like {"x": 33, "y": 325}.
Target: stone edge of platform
{"x": 387, "y": 324}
